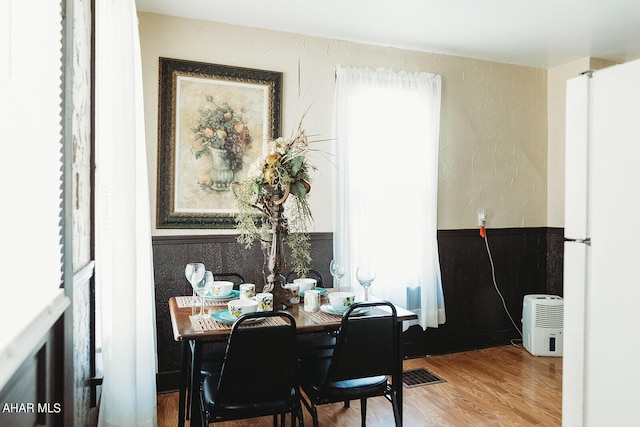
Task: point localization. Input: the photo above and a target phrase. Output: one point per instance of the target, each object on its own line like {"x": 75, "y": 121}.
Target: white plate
{"x": 328, "y": 308}
{"x": 225, "y": 317}
{"x": 233, "y": 295}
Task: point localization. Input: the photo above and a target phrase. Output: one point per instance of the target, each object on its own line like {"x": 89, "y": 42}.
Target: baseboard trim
{"x": 443, "y": 345}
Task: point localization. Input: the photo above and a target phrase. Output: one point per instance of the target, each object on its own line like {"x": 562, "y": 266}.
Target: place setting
{"x": 206, "y": 290}
{"x": 340, "y": 301}
{"x": 303, "y": 285}
{"x": 338, "y": 304}
{"x": 222, "y": 291}
{"x": 247, "y": 301}
{"x": 306, "y": 284}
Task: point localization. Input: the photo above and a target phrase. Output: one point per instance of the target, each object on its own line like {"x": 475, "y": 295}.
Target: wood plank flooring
{"x": 499, "y": 386}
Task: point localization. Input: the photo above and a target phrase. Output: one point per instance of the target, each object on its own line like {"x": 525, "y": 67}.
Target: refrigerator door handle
{"x": 586, "y": 241}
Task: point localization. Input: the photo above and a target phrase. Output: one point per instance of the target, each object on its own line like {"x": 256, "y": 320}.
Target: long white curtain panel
{"x": 386, "y": 144}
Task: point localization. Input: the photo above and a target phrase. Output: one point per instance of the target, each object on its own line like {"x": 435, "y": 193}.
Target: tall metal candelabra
{"x": 276, "y": 263}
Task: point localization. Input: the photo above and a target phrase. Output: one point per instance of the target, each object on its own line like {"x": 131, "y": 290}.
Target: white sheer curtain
{"x": 387, "y": 130}
{"x": 30, "y": 104}
{"x": 124, "y": 268}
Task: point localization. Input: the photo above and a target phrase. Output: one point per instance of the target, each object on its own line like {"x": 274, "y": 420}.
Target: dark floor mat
{"x": 418, "y": 377}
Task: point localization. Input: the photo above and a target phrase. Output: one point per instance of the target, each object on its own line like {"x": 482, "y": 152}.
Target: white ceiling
{"x": 542, "y": 33}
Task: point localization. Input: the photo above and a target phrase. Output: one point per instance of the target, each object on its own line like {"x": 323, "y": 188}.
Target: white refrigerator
{"x": 601, "y": 359}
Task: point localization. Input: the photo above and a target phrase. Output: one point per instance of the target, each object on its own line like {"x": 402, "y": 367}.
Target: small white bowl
{"x": 238, "y": 307}
{"x": 221, "y": 288}
{"x": 305, "y": 283}
{"x": 341, "y": 301}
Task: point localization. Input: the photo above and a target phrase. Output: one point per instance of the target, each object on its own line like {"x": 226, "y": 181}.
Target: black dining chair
{"x": 259, "y": 375}
{"x": 319, "y": 342}
{"x": 312, "y": 274}
{"x": 365, "y": 356}
{"x": 213, "y": 353}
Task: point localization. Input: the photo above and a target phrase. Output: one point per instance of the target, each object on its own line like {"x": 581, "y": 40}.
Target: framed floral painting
{"x": 213, "y": 123}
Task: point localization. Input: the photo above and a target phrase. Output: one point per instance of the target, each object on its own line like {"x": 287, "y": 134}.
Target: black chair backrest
{"x": 367, "y": 345}
{"x": 236, "y": 278}
{"x": 312, "y": 274}
{"x": 260, "y": 362}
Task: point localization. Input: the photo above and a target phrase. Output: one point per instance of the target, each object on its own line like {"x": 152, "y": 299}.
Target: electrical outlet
{"x": 482, "y": 217}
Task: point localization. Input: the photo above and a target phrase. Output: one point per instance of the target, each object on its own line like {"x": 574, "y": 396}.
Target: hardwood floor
{"x": 499, "y": 386}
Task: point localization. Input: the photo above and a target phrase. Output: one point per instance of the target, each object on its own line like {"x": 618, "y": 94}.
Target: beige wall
{"x": 493, "y": 144}
{"x": 558, "y": 77}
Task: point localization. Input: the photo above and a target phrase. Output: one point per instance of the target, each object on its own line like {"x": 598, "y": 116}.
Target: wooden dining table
{"x": 194, "y": 333}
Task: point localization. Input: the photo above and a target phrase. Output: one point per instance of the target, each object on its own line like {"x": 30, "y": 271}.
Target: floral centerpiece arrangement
{"x": 223, "y": 135}
{"x": 282, "y": 174}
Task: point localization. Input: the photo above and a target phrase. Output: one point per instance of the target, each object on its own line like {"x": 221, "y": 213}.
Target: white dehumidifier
{"x": 542, "y": 319}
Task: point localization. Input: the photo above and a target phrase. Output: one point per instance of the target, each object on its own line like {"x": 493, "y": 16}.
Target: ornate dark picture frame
{"x": 213, "y": 123}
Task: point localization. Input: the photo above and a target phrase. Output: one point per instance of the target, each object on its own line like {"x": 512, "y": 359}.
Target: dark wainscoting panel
{"x": 526, "y": 261}
{"x": 35, "y": 395}
{"x": 555, "y": 260}
{"x": 219, "y": 254}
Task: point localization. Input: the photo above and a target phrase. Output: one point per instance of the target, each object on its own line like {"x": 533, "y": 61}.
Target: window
{"x": 387, "y": 129}
{"x": 31, "y": 165}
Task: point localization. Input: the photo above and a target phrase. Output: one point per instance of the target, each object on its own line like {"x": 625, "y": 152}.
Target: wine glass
{"x": 336, "y": 268}
{"x": 194, "y": 272}
{"x": 201, "y": 288}
{"x": 366, "y": 275}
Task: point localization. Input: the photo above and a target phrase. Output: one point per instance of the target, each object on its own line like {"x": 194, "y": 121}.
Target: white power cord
{"x": 495, "y": 285}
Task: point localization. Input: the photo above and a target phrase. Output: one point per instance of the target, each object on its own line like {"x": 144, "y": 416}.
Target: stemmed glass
{"x": 336, "y": 268}
{"x": 194, "y": 272}
{"x": 366, "y": 275}
{"x": 201, "y": 288}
